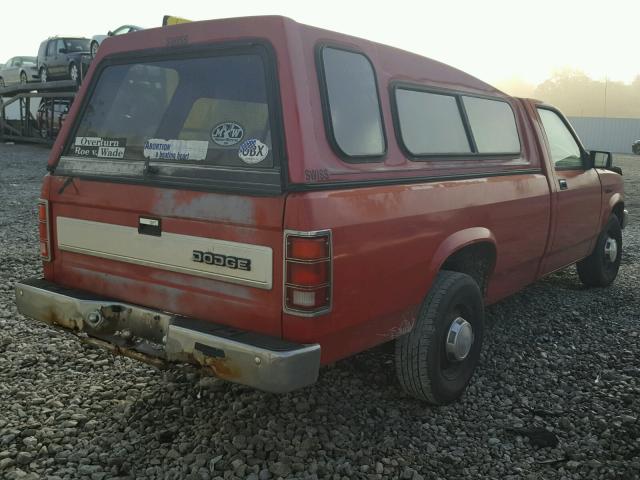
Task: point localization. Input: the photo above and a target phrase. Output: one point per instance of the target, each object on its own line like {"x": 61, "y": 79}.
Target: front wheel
{"x": 94, "y": 49}
{"x": 436, "y": 360}
{"x": 2, "y": 85}
{"x": 44, "y": 75}
{"x": 23, "y": 78}
{"x": 601, "y": 267}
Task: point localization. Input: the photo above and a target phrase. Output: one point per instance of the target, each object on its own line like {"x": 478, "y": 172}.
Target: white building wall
{"x": 609, "y": 134}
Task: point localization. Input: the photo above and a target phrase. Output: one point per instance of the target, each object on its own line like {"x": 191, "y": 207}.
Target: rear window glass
{"x": 430, "y": 123}
{"x": 207, "y": 111}
{"x": 493, "y": 125}
{"x": 354, "y": 109}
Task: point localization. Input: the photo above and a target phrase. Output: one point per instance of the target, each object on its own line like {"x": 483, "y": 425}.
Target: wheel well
{"x": 476, "y": 260}
{"x": 618, "y": 211}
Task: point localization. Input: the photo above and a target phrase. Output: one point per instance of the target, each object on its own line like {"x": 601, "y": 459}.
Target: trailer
{"x": 34, "y": 112}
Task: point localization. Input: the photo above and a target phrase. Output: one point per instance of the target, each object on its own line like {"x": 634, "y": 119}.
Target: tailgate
{"x": 205, "y": 255}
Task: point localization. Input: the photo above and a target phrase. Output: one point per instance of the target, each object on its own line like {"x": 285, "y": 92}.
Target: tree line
{"x": 576, "y": 94}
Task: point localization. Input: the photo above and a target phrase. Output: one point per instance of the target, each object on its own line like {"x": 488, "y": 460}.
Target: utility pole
{"x": 606, "y": 82}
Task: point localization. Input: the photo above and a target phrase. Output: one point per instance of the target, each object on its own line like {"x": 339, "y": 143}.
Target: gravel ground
{"x": 557, "y": 394}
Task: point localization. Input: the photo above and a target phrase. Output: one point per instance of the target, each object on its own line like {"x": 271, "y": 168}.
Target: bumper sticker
{"x": 158, "y": 149}
{"x": 99, "y": 147}
{"x": 253, "y": 151}
{"x": 227, "y": 134}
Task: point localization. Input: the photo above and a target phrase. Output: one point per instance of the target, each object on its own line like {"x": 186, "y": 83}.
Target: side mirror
{"x": 63, "y": 50}
{"x": 109, "y": 33}
{"x": 603, "y": 160}
{"x": 600, "y": 159}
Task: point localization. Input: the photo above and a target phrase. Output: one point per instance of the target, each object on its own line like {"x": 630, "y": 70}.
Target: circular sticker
{"x": 253, "y": 151}
{"x": 226, "y": 134}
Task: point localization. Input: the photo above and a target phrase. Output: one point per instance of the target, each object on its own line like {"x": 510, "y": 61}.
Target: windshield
{"x": 210, "y": 111}
{"x": 76, "y": 44}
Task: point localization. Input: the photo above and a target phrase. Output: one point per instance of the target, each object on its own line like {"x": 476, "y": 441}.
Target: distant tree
{"x": 576, "y": 94}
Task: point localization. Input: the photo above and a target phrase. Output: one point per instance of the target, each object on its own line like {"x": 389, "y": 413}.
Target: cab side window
{"x": 352, "y": 104}
{"x": 563, "y": 148}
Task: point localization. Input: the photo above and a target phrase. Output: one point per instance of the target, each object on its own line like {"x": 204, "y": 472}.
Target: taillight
{"x": 307, "y": 275}
{"x": 43, "y": 230}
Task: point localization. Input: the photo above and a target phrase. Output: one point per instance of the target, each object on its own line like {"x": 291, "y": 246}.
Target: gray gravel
{"x": 557, "y": 394}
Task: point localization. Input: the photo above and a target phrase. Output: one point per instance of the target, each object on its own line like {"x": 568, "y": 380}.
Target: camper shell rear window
{"x": 205, "y": 117}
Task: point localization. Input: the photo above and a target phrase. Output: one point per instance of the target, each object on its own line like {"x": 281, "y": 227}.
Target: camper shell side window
{"x": 432, "y": 123}
{"x": 351, "y": 104}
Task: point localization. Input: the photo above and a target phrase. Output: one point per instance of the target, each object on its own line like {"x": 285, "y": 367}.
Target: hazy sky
{"x": 491, "y": 39}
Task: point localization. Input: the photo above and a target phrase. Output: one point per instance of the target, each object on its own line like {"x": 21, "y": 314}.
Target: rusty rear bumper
{"x": 156, "y": 337}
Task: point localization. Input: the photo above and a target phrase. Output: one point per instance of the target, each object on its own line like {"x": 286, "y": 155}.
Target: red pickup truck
{"x": 260, "y": 198}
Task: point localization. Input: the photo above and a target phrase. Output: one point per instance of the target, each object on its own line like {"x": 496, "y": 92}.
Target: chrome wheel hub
{"x": 611, "y": 249}
{"x": 459, "y": 339}
{"x": 74, "y": 73}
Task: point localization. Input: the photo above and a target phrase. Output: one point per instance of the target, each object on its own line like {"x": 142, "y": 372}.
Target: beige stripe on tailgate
{"x": 171, "y": 251}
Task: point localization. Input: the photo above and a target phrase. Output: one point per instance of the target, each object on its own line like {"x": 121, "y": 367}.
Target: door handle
{"x": 563, "y": 184}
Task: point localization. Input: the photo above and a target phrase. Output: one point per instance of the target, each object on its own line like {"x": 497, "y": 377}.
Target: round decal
{"x": 226, "y": 134}
{"x": 253, "y": 151}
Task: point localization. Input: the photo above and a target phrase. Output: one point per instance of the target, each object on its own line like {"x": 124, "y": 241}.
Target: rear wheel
{"x": 601, "y": 267}
{"x": 94, "y": 49}
{"x": 435, "y": 361}
{"x": 2, "y": 82}
{"x": 23, "y": 78}
{"x": 44, "y": 75}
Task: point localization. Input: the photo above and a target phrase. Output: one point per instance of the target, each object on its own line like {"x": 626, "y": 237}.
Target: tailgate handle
{"x": 149, "y": 226}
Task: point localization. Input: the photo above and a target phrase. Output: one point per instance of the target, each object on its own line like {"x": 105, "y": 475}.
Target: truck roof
{"x": 414, "y": 67}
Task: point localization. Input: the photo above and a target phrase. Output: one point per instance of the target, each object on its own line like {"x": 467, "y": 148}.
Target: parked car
{"x": 177, "y": 225}
{"x": 51, "y": 114}
{"x": 18, "y": 70}
{"x": 63, "y": 58}
{"x": 635, "y": 148}
{"x": 96, "y": 40}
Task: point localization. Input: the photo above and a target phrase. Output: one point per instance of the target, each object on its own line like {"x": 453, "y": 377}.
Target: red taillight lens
{"x": 307, "y": 273}
{"x": 313, "y": 248}
{"x": 43, "y": 230}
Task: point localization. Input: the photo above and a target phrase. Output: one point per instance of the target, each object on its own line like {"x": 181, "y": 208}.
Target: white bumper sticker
{"x": 180, "y": 150}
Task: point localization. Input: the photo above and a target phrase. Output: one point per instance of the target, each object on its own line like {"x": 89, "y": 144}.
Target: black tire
{"x": 423, "y": 367}
{"x": 23, "y": 78}
{"x": 94, "y": 49}
{"x": 598, "y": 269}
{"x": 2, "y": 85}
{"x": 44, "y": 75}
